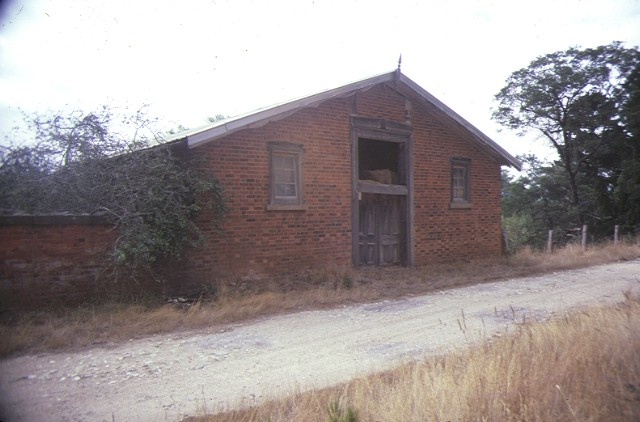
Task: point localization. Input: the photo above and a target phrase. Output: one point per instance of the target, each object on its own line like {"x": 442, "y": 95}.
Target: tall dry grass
{"x": 584, "y": 367}
{"x": 573, "y": 256}
{"x": 234, "y": 300}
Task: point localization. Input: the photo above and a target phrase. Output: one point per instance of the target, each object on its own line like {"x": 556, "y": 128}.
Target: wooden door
{"x": 380, "y": 231}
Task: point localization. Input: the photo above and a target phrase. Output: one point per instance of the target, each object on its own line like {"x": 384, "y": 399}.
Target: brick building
{"x": 374, "y": 173}
{"x": 377, "y": 172}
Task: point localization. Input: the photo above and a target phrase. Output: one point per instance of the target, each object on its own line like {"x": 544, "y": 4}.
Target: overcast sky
{"x": 193, "y": 59}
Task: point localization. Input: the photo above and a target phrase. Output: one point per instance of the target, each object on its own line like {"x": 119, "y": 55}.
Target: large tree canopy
{"x": 626, "y": 193}
{"x": 82, "y": 163}
{"x": 578, "y": 101}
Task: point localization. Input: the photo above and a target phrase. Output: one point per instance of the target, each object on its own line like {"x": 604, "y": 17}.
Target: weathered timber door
{"x": 380, "y": 234}
{"x": 382, "y": 199}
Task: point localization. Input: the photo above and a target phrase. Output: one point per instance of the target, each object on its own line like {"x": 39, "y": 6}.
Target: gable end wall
{"x": 259, "y": 242}
{"x": 442, "y": 234}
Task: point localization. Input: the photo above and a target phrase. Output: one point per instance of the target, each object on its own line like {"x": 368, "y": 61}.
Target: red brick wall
{"x": 442, "y": 233}
{"x": 381, "y": 102}
{"x": 257, "y": 241}
{"x": 45, "y": 261}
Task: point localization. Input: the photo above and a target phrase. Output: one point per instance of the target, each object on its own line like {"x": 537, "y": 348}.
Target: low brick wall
{"x": 53, "y": 258}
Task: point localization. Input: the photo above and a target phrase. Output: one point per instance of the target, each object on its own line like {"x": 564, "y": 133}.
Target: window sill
{"x": 287, "y": 207}
{"x": 461, "y": 205}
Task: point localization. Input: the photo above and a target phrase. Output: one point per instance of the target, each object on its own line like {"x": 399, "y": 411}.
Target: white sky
{"x": 193, "y": 59}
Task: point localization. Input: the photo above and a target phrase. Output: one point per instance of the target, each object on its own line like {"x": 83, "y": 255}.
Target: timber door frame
{"x": 387, "y": 131}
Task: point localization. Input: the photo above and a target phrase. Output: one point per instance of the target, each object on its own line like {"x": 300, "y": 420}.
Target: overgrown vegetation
{"x": 585, "y": 103}
{"x": 337, "y": 412}
{"x": 231, "y": 300}
{"x": 93, "y": 163}
{"x": 583, "y": 367}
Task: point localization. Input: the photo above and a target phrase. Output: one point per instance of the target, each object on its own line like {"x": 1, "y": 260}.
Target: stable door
{"x": 380, "y": 230}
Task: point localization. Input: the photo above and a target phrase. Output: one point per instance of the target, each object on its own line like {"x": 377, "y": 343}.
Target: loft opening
{"x": 381, "y": 162}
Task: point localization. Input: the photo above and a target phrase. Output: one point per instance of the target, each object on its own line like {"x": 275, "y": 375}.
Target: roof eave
{"x": 263, "y": 116}
{"x": 479, "y": 136}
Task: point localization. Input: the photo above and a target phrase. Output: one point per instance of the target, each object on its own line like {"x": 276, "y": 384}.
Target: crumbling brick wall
{"x": 46, "y": 259}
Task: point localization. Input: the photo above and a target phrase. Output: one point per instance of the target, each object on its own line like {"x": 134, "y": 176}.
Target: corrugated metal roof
{"x": 396, "y": 79}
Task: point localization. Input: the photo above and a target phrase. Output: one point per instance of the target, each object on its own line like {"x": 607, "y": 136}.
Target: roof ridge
{"x": 281, "y": 110}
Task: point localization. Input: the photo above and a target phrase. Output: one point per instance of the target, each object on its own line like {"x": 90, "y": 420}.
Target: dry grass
{"x": 584, "y": 367}
{"x": 103, "y": 323}
{"x": 573, "y": 256}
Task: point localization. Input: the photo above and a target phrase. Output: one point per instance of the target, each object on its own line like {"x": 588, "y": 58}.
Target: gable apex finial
{"x": 399, "y": 62}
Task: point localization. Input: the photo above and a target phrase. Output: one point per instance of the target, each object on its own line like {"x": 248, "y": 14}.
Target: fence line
{"x": 583, "y": 237}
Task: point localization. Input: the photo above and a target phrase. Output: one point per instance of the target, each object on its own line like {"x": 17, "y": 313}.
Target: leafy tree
{"x": 81, "y": 163}
{"x": 626, "y": 192}
{"x": 573, "y": 99}
{"x": 534, "y": 202}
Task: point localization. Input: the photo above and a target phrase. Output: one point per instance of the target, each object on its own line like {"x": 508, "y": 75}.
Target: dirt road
{"x": 166, "y": 377}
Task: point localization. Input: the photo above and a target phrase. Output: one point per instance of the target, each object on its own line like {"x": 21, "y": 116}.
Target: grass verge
{"x": 583, "y": 367}
{"x": 60, "y": 329}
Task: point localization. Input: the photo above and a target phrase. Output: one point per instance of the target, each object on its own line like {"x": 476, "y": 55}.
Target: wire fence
{"x": 582, "y": 235}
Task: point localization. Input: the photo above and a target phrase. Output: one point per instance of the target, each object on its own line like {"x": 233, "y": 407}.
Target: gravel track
{"x": 166, "y": 377}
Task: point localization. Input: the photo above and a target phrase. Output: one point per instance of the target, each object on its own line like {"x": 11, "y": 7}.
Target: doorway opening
{"x": 381, "y": 202}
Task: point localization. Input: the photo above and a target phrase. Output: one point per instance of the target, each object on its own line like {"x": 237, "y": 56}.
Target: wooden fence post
{"x": 584, "y": 237}
{"x": 550, "y": 242}
{"x": 505, "y": 242}
{"x": 616, "y": 229}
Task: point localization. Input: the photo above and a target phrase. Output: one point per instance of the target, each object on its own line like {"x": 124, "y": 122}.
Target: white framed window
{"x": 285, "y": 176}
